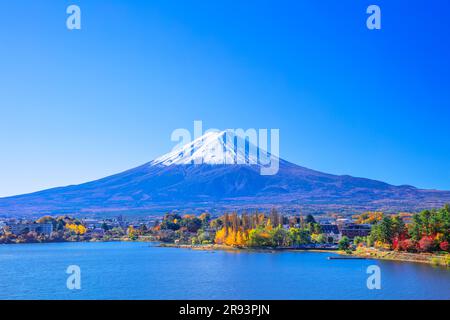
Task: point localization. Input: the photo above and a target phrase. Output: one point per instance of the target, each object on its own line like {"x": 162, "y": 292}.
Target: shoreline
{"x": 68, "y": 241}
{"x": 423, "y": 258}
{"x": 366, "y": 253}
{"x": 213, "y": 247}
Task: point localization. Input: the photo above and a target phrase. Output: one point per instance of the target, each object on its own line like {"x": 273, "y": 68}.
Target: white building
{"x": 20, "y": 228}
{"x": 331, "y": 231}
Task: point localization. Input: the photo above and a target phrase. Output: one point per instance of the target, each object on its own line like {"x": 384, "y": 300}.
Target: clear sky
{"x": 80, "y": 105}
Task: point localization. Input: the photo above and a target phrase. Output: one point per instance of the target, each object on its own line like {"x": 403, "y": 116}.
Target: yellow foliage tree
{"x": 131, "y": 230}
{"x": 231, "y": 237}
{"x": 81, "y": 229}
{"x": 269, "y": 225}
{"x": 78, "y": 229}
{"x": 230, "y": 240}
{"x": 241, "y": 238}
{"x": 220, "y": 236}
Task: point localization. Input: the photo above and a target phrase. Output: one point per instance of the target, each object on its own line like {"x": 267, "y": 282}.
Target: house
{"x": 92, "y": 223}
{"x": 331, "y": 231}
{"x": 341, "y": 222}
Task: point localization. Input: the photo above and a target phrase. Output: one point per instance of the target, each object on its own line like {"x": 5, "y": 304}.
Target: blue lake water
{"x": 136, "y": 270}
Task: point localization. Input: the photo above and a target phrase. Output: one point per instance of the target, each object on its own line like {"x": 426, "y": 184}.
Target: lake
{"x": 138, "y": 270}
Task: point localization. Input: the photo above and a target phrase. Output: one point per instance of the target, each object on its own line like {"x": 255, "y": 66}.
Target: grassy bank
{"x": 427, "y": 258}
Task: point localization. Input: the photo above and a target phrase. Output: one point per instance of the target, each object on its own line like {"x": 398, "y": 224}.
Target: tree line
{"x": 428, "y": 231}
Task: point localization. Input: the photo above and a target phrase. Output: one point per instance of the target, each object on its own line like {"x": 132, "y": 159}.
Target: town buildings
{"x": 21, "y": 228}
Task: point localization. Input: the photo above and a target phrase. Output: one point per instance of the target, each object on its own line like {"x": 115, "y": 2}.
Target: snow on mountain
{"x": 224, "y": 147}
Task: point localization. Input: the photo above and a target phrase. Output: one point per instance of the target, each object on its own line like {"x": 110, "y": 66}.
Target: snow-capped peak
{"x": 224, "y": 147}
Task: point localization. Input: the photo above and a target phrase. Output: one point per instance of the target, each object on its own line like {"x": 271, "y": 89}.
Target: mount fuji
{"x": 211, "y": 173}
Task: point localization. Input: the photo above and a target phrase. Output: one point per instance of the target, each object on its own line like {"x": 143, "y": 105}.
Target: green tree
{"x": 169, "y": 225}
{"x": 321, "y": 238}
{"x": 299, "y": 236}
{"x": 316, "y": 228}
{"x": 357, "y": 240}
{"x": 192, "y": 224}
{"x": 415, "y": 231}
{"x": 398, "y": 226}
{"x": 203, "y": 236}
{"x": 344, "y": 243}
{"x": 383, "y": 231}
{"x": 279, "y": 237}
{"x": 259, "y": 237}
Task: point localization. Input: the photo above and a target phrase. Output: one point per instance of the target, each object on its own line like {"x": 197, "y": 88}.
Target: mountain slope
{"x": 212, "y": 173}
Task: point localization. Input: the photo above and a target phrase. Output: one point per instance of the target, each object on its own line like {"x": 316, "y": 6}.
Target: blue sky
{"x": 81, "y": 105}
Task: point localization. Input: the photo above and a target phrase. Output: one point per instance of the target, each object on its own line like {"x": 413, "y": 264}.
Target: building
{"x": 341, "y": 222}
{"x": 92, "y": 223}
{"x": 21, "y": 228}
{"x": 98, "y": 231}
{"x": 331, "y": 231}
{"x": 352, "y": 230}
